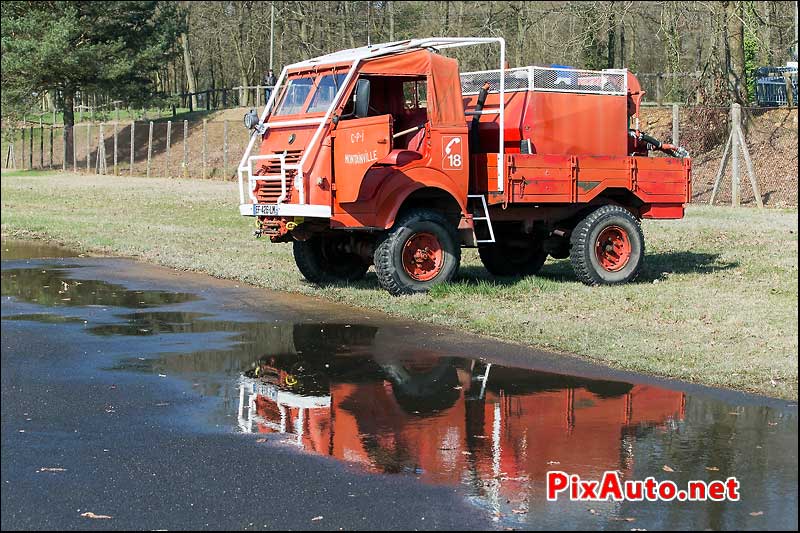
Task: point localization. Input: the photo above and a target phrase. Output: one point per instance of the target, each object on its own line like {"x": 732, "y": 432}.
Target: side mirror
{"x": 362, "y": 98}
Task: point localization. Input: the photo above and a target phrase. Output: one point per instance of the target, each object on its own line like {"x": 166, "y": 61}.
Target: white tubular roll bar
{"x": 356, "y": 56}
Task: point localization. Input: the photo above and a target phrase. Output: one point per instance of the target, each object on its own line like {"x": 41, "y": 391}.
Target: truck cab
{"x": 387, "y": 155}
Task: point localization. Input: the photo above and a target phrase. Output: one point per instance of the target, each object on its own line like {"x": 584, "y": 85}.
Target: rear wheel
{"x": 502, "y": 259}
{"x": 324, "y": 259}
{"x": 420, "y": 251}
{"x": 607, "y": 247}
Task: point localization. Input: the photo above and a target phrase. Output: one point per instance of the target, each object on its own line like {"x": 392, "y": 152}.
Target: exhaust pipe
{"x": 474, "y": 139}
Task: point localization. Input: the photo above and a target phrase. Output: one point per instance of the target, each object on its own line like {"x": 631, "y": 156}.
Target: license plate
{"x": 262, "y": 209}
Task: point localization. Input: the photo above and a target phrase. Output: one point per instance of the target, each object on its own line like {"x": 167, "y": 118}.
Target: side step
{"x": 472, "y": 204}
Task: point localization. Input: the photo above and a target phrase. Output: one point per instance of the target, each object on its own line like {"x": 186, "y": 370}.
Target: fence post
{"x": 225, "y": 98}
{"x": 787, "y": 79}
{"x": 205, "y": 145}
{"x": 24, "y": 142}
{"x": 74, "y": 136}
{"x": 169, "y": 148}
{"x": 675, "y": 125}
{"x": 116, "y": 134}
{"x": 149, "y": 148}
{"x": 659, "y": 88}
{"x": 191, "y": 108}
{"x": 185, "y": 163}
{"x": 51, "y": 145}
{"x": 133, "y": 145}
{"x": 100, "y": 166}
{"x": 64, "y": 137}
{"x": 258, "y": 96}
{"x": 41, "y": 143}
{"x": 736, "y": 118}
{"x": 30, "y": 151}
{"x": 11, "y": 158}
{"x": 88, "y": 146}
{"x": 208, "y": 100}
{"x": 225, "y": 149}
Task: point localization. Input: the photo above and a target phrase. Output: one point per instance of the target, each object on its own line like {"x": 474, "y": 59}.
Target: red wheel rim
{"x": 613, "y": 248}
{"x": 423, "y": 256}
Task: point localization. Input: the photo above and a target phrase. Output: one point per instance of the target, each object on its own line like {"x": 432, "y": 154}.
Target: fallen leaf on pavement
{"x": 667, "y": 469}
{"x": 48, "y": 469}
{"x": 712, "y": 469}
{"x": 316, "y": 518}
{"x": 89, "y": 514}
{"x": 756, "y": 513}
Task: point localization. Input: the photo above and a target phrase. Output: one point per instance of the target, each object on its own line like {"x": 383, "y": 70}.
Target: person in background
{"x": 269, "y": 80}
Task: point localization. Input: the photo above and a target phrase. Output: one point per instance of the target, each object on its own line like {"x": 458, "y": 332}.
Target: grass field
{"x": 716, "y": 303}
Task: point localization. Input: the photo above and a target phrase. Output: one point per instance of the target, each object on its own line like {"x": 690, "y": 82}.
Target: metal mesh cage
{"x": 555, "y": 79}
{"x": 515, "y": 80}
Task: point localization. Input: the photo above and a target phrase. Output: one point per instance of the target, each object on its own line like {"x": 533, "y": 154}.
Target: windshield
{"x": 326, "y": 92}
{"x": 294, "y": 96}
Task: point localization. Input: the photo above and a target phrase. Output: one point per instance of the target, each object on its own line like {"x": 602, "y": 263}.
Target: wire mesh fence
{"x": 770, "y": 136}
{"x": 211, "y": 149}
{"x": 187, "y": 149}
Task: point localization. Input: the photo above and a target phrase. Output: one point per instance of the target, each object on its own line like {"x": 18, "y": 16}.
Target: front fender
{"x": 394, "y": 191}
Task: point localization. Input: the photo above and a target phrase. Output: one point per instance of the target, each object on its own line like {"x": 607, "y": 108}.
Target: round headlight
{"x": 251, "y": 119}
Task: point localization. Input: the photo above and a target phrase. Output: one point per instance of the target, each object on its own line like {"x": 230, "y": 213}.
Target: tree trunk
{"x": 766, "y": 57}
{"x": 187, "y": 63}
{"x": 348, "y": 12}
{"x": 390, "y": 13}
{"x": 519, "y": 45}
{"x": 68, "y": 108}
{"x": 612, "y": 37}
{"x": 734, "y": 52}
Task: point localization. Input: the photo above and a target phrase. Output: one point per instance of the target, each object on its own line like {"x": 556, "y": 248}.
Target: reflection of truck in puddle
{"x": 449, "y": 420}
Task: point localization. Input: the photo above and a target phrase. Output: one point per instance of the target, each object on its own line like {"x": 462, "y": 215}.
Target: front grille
{"x": 268, "y": 191}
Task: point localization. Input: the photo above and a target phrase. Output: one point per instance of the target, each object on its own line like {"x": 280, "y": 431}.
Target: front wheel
{"x": 607, "y": 247}
{"x": 420, "y": 251}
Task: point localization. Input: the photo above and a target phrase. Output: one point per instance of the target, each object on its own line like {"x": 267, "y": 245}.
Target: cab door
{"x": 357, "y": 145}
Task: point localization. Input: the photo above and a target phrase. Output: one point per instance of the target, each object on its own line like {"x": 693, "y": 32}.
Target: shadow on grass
{"x": 656, "y": 266}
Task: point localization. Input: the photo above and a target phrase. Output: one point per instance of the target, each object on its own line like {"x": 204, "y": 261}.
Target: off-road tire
{"x": 320, "y": 264}
{"x": 584, "y": 241}
{"x": 389, "y": 269}
{"x": 502, "y": 260}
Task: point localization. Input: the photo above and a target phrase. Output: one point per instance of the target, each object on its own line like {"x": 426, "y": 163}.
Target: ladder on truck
{"x": 472, "y": 204}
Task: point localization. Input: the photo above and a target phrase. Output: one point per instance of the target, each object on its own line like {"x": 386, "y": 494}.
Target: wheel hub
{"x": 613, "y": 248}
{"x": 422, "y": 256}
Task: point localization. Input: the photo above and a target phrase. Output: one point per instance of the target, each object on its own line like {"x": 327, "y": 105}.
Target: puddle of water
{"x": 17, "y": 249}
{"x": 52, "y": 286}
{"x": 368, "y": 398}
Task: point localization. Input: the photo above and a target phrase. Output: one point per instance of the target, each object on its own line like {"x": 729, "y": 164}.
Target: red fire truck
{"x": 388, "y": 156}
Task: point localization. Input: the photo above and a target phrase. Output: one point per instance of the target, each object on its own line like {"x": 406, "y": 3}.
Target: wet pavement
{"x": 169, "y": 400}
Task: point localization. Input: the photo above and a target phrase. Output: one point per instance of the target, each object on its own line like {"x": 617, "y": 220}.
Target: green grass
{"x": 716, "y": 303}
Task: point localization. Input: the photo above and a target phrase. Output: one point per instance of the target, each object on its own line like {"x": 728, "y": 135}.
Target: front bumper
{"x": 285, "y": 210}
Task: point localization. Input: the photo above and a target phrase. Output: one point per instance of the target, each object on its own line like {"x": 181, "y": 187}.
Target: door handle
{"x": 382, "y": 141}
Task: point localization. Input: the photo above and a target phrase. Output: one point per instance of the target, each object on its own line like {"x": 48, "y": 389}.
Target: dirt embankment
{"x": 771, "y": 139}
